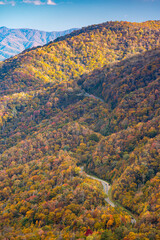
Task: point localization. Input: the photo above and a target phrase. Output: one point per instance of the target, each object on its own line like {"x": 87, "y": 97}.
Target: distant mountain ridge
{"x": 14, "y": 41}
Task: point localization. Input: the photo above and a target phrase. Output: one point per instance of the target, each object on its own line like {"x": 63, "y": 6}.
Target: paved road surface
{"x": 85, "y": 94}
{"x": 93, "y": 96}
{"x": 106, "y": 188}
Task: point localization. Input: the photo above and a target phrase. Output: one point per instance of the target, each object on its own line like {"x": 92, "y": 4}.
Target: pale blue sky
{"x": 50, "y": 15}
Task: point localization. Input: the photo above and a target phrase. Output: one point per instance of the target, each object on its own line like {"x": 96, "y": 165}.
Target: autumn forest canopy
{"x": 90, "y": 98}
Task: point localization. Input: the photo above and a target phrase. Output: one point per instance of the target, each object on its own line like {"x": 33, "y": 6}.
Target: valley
{"x": 90, "y": 98}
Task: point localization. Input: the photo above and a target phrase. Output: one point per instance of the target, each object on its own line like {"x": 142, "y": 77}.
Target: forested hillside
{"x": 92, "y": 99}
{"x": 71, "y": 56}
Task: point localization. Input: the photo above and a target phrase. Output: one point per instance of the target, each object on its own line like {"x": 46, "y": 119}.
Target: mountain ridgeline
{"x": 90, "y": 98}
{"x": 14, "y": 41}
{"x": 67, "y": 59}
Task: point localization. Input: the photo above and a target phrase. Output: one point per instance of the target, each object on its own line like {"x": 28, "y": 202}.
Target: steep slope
{"x": 49, "y": 127}
{"x": 130, "y": 156}
{"x": 69, "y": 57}
{"x": 52, "y": 197}
{"x": 127, "y": 87}
{"x": 14, "y": 41}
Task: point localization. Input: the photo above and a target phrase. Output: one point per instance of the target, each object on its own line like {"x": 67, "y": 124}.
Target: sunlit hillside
{"x": 88, "y": 102}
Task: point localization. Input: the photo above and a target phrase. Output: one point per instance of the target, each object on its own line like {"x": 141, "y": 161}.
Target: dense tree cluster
{"x": 80, "y": 52}
{"x": 92, "y": 99}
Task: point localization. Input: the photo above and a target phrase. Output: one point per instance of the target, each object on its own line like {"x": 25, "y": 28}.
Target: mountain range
{"x": 88, "y": 100}
{"x": 14, "y": 41}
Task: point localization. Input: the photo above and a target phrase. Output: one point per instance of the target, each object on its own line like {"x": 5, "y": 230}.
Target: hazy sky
{"x": 50, "y": 15}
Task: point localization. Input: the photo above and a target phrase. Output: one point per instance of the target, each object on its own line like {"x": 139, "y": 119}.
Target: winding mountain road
{"x": 85, "y": 94}
{"x": 106, "y": 188}
{"x": 93, "y": 96}
{"x": 105, "y": 185}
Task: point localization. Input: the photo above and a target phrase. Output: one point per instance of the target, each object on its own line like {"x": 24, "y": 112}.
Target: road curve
{"x": 105, "y": 185}
{"x": 106, "y": 188}
{"x": 85, "y": 94}
{"x": 93, "y": 96}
